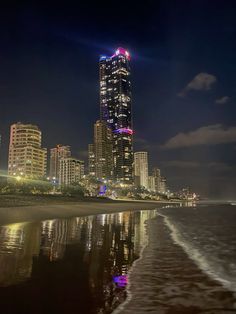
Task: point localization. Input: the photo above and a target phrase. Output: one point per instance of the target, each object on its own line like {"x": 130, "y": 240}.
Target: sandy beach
{"x": 82, "y": 208}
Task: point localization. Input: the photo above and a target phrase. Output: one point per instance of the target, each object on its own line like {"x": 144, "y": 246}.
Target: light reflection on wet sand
{"x": 68, "y": 265}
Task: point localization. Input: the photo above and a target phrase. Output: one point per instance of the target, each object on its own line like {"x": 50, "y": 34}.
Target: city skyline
{"x": 183, "y": 85}
{"x": 118, "y": 157}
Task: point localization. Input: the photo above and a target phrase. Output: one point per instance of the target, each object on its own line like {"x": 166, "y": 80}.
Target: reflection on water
{"x": 76, "y": 265}
{"x": 18, "y": 244}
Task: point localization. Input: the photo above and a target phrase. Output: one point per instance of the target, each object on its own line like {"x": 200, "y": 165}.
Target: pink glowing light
{"x": 122, "y": 51}
{"x": 125, "y": 131}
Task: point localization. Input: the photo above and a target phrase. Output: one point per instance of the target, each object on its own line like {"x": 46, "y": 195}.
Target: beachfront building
{"x": 156, "y": 173}
{"x": 151, "y": 184}
{"x": 71, "y": 170}
{"x": 91, "y": 160}
{"x": 26, "y": 156}
{"x": 103, "y": 151}
{"x": 163, "y": 186}
{"x": 56, "y": 154}
{"x": 116, "y": 111}
{"x": 141, "y": 169}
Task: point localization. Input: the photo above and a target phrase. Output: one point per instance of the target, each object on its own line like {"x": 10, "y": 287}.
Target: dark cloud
{"x": 222, "y": 100}
{"x": 180, "y": 164}
{"x": 216, "y": 166}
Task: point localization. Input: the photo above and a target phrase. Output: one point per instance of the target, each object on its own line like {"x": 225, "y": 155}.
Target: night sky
{"x": 183, "y": 59}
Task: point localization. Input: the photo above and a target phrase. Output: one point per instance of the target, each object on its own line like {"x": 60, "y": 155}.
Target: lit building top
{"x": 119, "y": 51}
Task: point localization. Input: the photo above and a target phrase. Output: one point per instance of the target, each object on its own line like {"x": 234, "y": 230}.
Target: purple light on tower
{"x": 124, "y": 131}
{"x": 121, "y": 51}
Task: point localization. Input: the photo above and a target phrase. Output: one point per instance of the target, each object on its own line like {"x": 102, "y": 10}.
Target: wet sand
{"x": 166, "y": 280}
{"x": 35, "y": 213}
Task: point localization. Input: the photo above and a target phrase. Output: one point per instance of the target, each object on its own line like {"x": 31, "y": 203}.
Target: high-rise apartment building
{"x": 141, "y": 169}
{"x": 71, "y": 170}
{"x": 26, "y": 157}
{"x": 115, "y": 109}
{"x": 91, "y": 160}
{"x": 0, "y": 150}
{"x": 151, "y": 184}
{"x": 56, "y": 154}
{"x": 103, "y": 150}
{"x": 163, "y": 186}
{"x": 156, "y": 172}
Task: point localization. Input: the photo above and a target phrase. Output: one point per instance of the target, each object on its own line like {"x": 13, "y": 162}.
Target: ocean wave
{"x": 169, "y": 276}
{"x": 203, "y": 262}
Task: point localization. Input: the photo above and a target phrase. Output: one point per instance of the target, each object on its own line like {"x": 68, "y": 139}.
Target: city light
{"x": 124, "y": 131}
{"x": 122, "y": 51}
{"x": 103, "y": 57}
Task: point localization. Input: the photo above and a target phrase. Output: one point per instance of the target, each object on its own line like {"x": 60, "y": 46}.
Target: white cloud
{"x": 223, "y": 100}
{"x": 206, "y": 135}
{"x": 201, "y": 82}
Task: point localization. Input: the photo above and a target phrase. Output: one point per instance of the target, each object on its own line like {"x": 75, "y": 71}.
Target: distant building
{"x": 156, "y": 173}
{"x": 163, "y": 186}
{"x": 141, "y": 169}
{"x": 3, "y": 178}
{"x": 103, "y": 150}
{"x": 116, "y": 111}
{"x": 91, "y": 160}
{"x": 0, "y": 150}
{"x": 56, "y": 154}
{"x": 26, "y": 157}
{"x": 71, "y": 170}
{"x": 151, "y": 184}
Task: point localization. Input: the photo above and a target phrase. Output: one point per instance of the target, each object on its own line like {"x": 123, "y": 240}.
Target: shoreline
{"x": 122, "y": 306}
{"x": 167, "y": 280}
{"x": 195, "y": 255}
{"x": 29, "y": 213}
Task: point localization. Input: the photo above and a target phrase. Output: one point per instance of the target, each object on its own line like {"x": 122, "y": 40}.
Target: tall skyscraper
{"x": 103, "y": 150}
{"x": 141, "y": 169}
{"x": 71, "y": 170}
{"x": 91, "y": 160}
{"x": 26, "y": 157}
{"x": 115, "y": 109}
{"x": 56, "y": 153}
